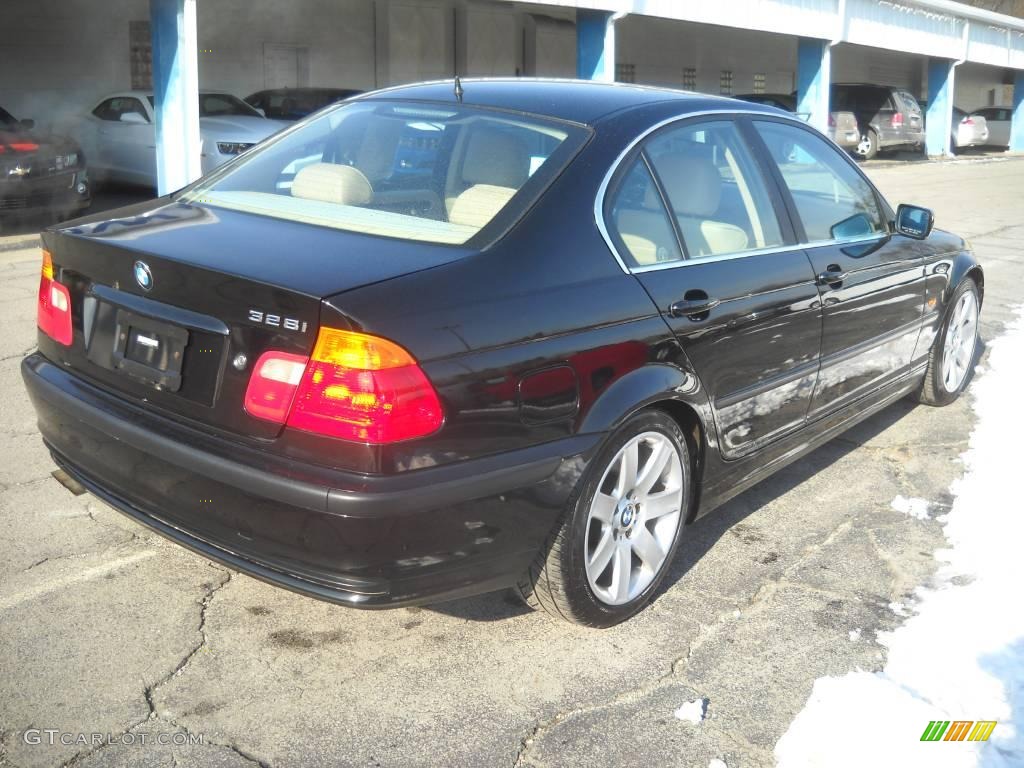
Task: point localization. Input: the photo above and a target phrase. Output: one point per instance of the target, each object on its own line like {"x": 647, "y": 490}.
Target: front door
{"x": 692, "y": 216}
{"x": 872, "y": 284}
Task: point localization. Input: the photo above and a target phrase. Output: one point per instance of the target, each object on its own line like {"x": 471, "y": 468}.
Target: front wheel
{"x": 612, "y": 546}
{"x": 952, "y": 353}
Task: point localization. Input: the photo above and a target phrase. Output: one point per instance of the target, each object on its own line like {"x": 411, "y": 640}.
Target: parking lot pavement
{"x": 107, "y": 629}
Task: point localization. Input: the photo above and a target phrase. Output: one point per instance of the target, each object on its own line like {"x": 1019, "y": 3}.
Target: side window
{"x": 106, "y": 111}
{"x": 133, "y": 105}
{"x": 638, "y": 220}
{"x": 833, "y": 200}
{"x": 714, "y": 188}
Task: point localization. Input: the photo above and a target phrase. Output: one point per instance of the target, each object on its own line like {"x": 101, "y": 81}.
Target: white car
{"x": 118, "y": 135}
{"x": 999, "y": 120}
{"x": 968, "y": 130}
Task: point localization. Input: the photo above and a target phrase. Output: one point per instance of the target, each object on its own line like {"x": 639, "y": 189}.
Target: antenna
{"x": 458, "y": 89}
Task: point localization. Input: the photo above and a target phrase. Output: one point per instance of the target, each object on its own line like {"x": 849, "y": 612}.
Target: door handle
{"x": 692, "y": 307}
{"x": 833, "y": 275}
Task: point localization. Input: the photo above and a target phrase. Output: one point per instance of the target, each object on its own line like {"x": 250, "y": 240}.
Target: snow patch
{"x": 855, "y": 635}
{"x": 716, "y": 763}
{"x": 692, "y": 711}
{"x": 914, "y": 507}
{"x": 961, "y": 655}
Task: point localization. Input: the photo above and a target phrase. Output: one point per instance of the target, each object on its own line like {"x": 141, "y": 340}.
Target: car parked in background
{"x": 40, "y": 172}
{"x": 842, "y": 126}
{"x": 119, "y": 136}
{"x": 968, "y": 130}
{"x": 605, "y": 311}
{"x": 999, "y": 121}
{"x": 888, "y": 117}
{"x": 295, "y": 103}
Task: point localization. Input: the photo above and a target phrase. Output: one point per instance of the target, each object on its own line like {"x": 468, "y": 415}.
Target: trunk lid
{"x": 166, "y": 296}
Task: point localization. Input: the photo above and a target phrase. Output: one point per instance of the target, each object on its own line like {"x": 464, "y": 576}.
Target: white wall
{"x": 977, "y": 85}
{"x": 56, "y": 56}
{"x": 862, "y": 64}
{"x": 660, "y": 50}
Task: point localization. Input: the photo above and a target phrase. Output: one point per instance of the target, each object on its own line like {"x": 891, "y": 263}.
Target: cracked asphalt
{"x": 108, "y": 629}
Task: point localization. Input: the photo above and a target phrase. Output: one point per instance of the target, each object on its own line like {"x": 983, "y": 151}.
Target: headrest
{"x": 692, "y": 183}
{"x": 479, "y": 204}
{"x": 330, "y": 183}
{"x": 495, "y": 157}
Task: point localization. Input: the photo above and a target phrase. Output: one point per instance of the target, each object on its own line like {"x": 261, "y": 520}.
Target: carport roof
{"x": 580, "y": 101}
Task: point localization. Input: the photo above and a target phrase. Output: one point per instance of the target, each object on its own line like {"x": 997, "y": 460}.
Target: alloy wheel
{"x": 633, "y": 518}
{"x": 961, "y": 339}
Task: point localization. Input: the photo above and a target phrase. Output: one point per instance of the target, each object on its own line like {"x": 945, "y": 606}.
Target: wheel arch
{"x": 670, "y": 389}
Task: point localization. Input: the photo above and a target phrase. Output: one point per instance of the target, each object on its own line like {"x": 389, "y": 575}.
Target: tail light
{"x": 354, "y": 386}
{"x": 897, "y": 120}
{"x": 831, "y": 120}
{"x": 53, "y": 314}
{"x": 967, "y": 121}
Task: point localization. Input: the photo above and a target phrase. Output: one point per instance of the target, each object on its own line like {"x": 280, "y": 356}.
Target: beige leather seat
{"x": 694, "y": 188}
{"x": 330, "y": 183}
{"x": 495, "y": 164}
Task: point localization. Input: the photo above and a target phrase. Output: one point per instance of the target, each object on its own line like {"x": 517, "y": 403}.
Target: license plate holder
{"x": 149, "y": 350}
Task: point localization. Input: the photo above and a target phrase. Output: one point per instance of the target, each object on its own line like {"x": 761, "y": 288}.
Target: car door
{"x": 872, "y": 283}
{"x": 136, "y": 147}
{"x": 106, "y": 118}
{"x": 692, "y": 216}
{"x": 913, "y": 118}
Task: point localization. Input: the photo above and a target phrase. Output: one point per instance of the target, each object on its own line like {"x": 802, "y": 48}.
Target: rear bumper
{"x": 366, "y": 541}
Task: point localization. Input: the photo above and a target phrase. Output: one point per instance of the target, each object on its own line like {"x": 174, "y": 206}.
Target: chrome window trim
{"x": 602, "y": 193}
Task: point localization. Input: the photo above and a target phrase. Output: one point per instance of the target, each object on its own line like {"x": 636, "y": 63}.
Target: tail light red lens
{"x": 967, "y": 121}
{"x": 897, "y": 120}
{"x": 354, "y": 386}
{"x": 272, "y": 386}
{"x": 53, "y": 314}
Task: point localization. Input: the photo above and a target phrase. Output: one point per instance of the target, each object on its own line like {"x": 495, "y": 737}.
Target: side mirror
{"x": 27, "y": 124}
{"x": 134, "y": 118}
{"x": 914, "y": 222}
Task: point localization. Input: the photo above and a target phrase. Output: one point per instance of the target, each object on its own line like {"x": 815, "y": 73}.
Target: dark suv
{"x": 888, "y": 117}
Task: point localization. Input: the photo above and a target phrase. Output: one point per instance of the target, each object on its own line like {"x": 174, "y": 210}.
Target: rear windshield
{"x": 434, "y": 173}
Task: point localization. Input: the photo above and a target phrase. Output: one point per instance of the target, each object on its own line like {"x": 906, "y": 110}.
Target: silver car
{"x": 118, "y": 136}
{"x": 998, "y": 120}
{"x": 968, "y": 130}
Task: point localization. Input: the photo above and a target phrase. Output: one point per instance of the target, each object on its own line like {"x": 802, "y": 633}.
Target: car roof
{"x": 579, "y": 101}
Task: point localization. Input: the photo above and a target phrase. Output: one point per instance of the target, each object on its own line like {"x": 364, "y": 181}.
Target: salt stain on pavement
{"x": 961, "y": 655}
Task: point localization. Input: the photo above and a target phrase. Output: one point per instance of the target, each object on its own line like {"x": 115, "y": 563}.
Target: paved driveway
{"x": 110, "y": 636}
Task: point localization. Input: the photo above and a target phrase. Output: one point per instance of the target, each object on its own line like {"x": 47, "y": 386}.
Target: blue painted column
{"x": 175, "y": 93}
{"x": 595, "y": 45}
{"x": 1017, "y": 126}
{"x": 938, "y": 121}
{"x": 813, "y": 81}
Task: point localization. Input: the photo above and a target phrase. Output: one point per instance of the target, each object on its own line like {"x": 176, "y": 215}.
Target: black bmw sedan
{"x": 438, "y": 341}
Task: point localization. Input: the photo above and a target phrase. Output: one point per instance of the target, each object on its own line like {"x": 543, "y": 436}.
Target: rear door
{"x": 913, "y": 117}
{"x": 872, "y": 284}
{"x": 692, "y": 217}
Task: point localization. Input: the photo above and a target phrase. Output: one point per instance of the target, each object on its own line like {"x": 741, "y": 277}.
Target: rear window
{"x": 433, "y": 173}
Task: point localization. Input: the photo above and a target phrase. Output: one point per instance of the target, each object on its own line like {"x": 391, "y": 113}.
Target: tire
{"x": 868, "y": 147}
{"x": 952, "y": 354}
{"x": 607, "y": 520}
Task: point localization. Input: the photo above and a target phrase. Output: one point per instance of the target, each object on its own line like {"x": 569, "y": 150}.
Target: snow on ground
{"x": 692, "y": 711}
{"x": 960, "y": 656}
{"x": 914, "y": 507}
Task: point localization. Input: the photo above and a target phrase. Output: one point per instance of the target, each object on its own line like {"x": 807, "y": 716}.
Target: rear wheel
{"x": 952, "y": 354}
{"x": 612, "y": 546}
{"x": 868, "y": 147}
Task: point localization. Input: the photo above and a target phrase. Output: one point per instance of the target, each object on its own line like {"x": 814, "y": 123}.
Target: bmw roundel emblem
{"x": 143, "y": 276}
